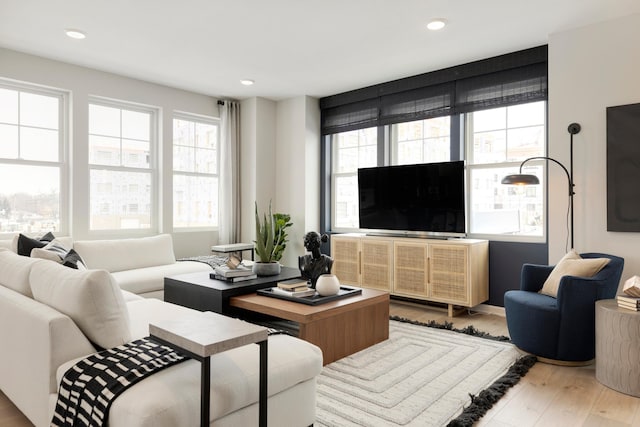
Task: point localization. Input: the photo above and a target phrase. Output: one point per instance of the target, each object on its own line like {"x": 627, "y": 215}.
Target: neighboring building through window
{"x": 498, "y": 140}
{"x": 421, "y": 141}
{"x": 195, "y": 171}
{"x": 33, "y": 168}
{"x": 351, "y": 150}
{"x": 122, "y": 140}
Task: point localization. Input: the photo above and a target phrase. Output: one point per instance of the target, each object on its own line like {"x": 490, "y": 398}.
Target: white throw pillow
{"x": 572, "y": 264}
{"x": 91, "y": 298}
{"x": 57, "y": 252}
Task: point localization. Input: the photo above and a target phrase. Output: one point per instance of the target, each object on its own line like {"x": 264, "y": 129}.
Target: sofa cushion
{"x": 126, "y": 254}
{"x": 151, "y": 279}
{"x": 14, "y": 271}
{"x": 91, "y": 298}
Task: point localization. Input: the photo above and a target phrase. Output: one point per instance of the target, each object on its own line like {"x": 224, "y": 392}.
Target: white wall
{"x": 280, "y": 155}
{"x": 590, "y": 68}
{"x": 257, "y": 162}
{"x": 83, "y": 82}
{"x": 298, "y": 170}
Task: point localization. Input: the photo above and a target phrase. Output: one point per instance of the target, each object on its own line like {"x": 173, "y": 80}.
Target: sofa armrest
{"x": 36, "y": 339}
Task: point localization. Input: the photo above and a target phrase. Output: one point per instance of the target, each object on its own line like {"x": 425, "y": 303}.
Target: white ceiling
{"x": 289, "y": 47}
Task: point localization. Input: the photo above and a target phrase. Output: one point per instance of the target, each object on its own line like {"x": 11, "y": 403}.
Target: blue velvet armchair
{"x": 562, "y": 328}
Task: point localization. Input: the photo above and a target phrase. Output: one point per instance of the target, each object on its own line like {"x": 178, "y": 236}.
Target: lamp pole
{"x": 573, "y": 129}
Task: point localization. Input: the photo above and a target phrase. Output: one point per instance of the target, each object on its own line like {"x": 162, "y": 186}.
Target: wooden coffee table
{"x": 339, "y": 328}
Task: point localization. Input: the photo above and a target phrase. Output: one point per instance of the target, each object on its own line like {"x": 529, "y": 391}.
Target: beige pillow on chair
{"x": 572, "y": 264}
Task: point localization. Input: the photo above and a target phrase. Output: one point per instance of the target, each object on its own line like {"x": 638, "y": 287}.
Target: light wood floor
{"x": 547, "y": 396}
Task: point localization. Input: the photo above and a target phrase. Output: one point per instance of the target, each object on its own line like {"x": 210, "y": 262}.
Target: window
{"x": 422, "y": 141}
{"x": 32, "y": 159}
{"x": 498, "y": 140}
{"x": 195, "y": 172}
{"x": 122, "y": 140}
{"x": 351, "y": 150}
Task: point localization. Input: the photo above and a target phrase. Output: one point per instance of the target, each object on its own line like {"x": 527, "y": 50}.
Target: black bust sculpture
{"x": 316, "y": 264}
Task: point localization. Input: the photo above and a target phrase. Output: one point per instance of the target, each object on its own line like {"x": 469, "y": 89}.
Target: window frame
{"x": 515, "y": 165}
{"x": 197, "y": 118}
{"x": 64, "y": 148}
{"x": 152, "y": 170}
{"x": 461, "y": 143}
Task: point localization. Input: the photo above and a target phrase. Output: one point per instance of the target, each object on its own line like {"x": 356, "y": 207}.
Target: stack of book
{"x": 238, "y": 274}
{"x": 629, "y": 303}
{"x": 294, "y": 288}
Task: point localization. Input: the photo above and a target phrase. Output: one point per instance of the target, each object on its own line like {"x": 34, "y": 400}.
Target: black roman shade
{"x": 509, "y": 79}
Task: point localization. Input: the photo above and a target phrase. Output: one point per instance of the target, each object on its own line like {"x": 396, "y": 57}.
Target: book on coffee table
{"x": 225, "y": 271}
{"x": 293, "y": 284}
{"x": 307, "y": 292}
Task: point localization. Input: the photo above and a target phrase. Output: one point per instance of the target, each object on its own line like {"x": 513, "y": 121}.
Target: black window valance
{"x": 504, "y": 80}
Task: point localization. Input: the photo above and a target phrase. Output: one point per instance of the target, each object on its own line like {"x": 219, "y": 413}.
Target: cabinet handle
{"x": 359, "y": 263}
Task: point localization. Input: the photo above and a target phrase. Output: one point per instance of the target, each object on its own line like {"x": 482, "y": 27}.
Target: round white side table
{"x": 618, "y": 347}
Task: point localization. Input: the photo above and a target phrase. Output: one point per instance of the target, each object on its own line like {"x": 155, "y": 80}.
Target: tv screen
{"x": 426, "y": 197}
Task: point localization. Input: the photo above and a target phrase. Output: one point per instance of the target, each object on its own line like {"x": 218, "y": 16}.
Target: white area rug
{"x": 420, "y": 376}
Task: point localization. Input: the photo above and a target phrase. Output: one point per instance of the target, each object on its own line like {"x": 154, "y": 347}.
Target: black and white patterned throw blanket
{"x": 91, "y": 385}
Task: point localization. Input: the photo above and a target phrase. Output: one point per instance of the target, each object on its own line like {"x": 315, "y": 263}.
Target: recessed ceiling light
{"x": 436, "y": 24}
{"x": 75, "y": 34}
{"x": 247, "y": 82}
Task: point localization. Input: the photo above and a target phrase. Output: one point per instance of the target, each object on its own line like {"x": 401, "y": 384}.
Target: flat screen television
{"x": 427, "y": 198}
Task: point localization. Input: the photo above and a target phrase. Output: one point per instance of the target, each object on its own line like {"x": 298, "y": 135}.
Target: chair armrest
{"x": 532, "y": 276}
{"x": 576, "y": 292}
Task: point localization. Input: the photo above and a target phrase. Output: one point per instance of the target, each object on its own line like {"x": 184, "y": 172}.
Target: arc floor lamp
{"x": 526, "y": 179}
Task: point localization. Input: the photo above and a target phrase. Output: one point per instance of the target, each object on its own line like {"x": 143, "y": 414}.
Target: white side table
{"x": 618, "y": 347}
{"x": 204, "y": 334}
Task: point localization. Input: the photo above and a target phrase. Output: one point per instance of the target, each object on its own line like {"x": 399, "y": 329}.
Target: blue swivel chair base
{"x": 559, "y": 330}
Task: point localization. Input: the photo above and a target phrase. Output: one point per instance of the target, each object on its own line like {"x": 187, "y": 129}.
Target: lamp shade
{"x": 520, "y": 179}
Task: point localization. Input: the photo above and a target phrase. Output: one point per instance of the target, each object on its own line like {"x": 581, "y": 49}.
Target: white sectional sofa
{"x": 138, "y": 265}
{"x": 50, "y": 315}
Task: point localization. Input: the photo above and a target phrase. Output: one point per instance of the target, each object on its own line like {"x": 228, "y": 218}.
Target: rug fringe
{"x": 469, "y": 330}
{"x": 481, "y": 403}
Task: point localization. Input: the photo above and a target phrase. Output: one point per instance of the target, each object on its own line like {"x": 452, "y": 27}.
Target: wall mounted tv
{"x": 427, "y": 198}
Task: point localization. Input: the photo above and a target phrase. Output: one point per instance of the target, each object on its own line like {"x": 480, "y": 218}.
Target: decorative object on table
{"x": 315, "y": 264}
{"x": 327, "y": 284}
{"x": 233, "y": 261}
{"x": 526, "y": 179}
{"x": 270, "y": 242}
{"x": 632, "y": 287}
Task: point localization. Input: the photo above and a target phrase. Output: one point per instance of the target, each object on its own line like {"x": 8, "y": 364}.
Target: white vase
{"x": 327, "y": 284}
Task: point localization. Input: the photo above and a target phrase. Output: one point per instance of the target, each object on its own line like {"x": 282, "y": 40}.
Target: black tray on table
{"x": 344, "y": 292}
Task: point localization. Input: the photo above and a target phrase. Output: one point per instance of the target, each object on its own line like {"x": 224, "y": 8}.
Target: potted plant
{"x": 271, "y": 239}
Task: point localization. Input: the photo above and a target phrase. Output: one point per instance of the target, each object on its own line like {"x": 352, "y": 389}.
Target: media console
{"x": 454, "y": 272}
